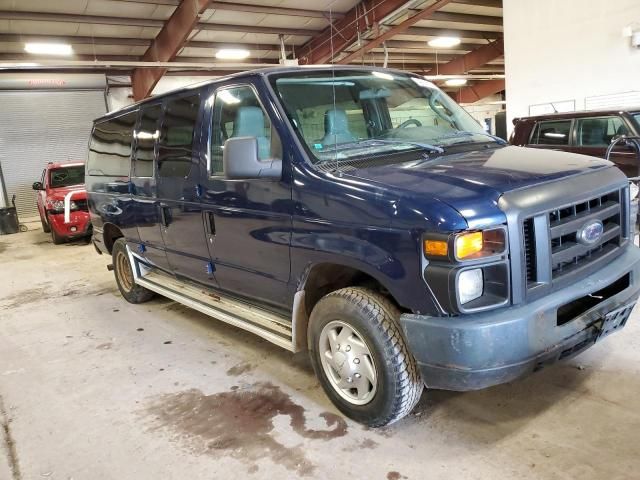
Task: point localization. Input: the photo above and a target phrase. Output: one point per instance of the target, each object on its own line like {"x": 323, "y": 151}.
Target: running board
{"x": 271, "y": 327}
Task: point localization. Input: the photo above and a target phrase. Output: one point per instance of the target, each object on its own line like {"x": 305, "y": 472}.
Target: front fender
{"x": 391, "y": 257}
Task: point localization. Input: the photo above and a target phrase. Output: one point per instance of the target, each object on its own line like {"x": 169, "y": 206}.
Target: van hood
{"x": 472, "y": 182}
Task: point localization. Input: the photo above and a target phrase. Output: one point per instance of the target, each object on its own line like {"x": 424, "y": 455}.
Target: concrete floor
{"x": 92, "y": 387}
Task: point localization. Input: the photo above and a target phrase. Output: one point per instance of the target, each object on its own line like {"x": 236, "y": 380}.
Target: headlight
{"x": 633, "y": 190}
{"x": 472, "y": 245}
{"x": 470, "y": 285}
{"x": 57, "y": 206}
{"x": 468, "y": 245}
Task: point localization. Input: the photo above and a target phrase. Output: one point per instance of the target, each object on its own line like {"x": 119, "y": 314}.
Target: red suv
{"x": 61, "y": 181}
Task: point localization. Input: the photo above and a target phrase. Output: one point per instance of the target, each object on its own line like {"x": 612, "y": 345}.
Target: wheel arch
{"x": 321, "y": 279}
{"x": 110, "y": 233}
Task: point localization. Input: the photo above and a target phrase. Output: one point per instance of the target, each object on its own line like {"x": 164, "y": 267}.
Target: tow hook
{"x": 110, "y": 267}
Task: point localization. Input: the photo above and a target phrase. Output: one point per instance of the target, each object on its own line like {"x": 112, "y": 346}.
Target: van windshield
{"x": 66, "y": 176}
{"x": 346, "y": 114}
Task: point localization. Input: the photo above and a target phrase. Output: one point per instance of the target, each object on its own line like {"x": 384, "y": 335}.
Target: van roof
{"x": 247, "y": 74}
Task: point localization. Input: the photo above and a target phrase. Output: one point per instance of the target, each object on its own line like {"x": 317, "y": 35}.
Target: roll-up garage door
{"x": 37, "y": 127}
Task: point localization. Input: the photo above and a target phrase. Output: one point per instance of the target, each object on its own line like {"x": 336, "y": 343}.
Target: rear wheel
{"x": 359, "y": 354}
{"x": 122, "y": 269}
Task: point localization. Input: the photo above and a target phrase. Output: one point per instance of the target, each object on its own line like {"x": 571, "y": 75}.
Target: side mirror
{"x": 240, "y": 160}
{"x": 37, "y": 186}
{"x": 620, "y": 140}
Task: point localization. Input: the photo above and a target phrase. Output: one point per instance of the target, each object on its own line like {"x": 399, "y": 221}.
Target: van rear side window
{"x": 146, "y": 136}
{"x": 176, "y": 136}
{"x": 553, "y": 132}
{"x": 110, "y": 148}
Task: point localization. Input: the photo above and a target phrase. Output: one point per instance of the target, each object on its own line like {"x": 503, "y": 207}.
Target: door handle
{"x": 210, "y": 223}
{"x": 165, "y": 215}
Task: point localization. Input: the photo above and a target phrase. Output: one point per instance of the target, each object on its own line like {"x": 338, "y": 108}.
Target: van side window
{"x": 554, "y": 132}
{"x": 598, "y": 132}
{"x": 176, "y": 136}
{"x": 146, "y": 135}
{"x": 238, "y": 113}
{"x": 110, "y": 146}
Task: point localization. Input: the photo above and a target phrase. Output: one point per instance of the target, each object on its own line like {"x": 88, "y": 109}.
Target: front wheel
{"x": 359, "y": 354}
{"x": 45, "y": 226}
{"x": 55, "y": 238}
{"x": 122, "y": 269}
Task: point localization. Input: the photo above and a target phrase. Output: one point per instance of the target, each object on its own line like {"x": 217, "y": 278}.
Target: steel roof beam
{"x": 245, "y": 7}
{"x": 166, "y": 45}
{"x": 334, "y": 39}
{"x": 476, "y": 58}
{"x": 133, "y": 42}
{"x": 452, "y": 32}
{"x": 395, "y": 30}
{"x": 290, "y": 12}
{"x": 466, "y": 18}
{"x": 481, "y": 3}
{"x": 480, "y": 90}
{"x": 147, "y": 22}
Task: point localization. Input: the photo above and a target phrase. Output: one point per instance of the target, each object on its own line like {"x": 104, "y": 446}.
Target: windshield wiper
{"x": 380, "y": 141}
{"x": 425, "y": 146}
{"x": 471, "y": 134}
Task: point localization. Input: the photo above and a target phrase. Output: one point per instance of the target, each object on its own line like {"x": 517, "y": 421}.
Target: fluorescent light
{"x": 444, "y": 42}
{"x": 142, "y": 135}
{"x": 228, "y": 98}
{"x": 385, "y": 76}
{"x": 456, "y": 82}
{"x": 232, "y": 54}
{"x": 48, "y": 48}
{"x": 19, "y": 65}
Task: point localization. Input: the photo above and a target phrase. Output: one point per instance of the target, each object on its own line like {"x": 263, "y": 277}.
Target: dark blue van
{"x": 360, "y": 214}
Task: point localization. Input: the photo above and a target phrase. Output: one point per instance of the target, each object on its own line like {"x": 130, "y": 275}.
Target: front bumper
{"x": 79, "y": 224}
{"x": 470, "y": 352}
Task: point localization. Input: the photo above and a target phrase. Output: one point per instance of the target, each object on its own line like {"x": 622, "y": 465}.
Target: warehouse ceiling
{"x": 120, "y": 36}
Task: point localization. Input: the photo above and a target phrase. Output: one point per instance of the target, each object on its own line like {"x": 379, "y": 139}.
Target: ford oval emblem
{"x": 591, "y": 233}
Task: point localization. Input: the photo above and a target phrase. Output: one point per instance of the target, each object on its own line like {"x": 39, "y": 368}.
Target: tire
{"x": 364, "y": 321}
{"x": 131, "y": 292}
{"x": 57, "y": 239}
{"x": 45, "y": 226}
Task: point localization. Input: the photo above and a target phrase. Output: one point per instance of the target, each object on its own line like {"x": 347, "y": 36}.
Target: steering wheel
{"x": 411, "y": 121}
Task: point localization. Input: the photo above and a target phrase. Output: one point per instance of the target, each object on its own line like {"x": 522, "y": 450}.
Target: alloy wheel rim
{"x": 347, "y": 362}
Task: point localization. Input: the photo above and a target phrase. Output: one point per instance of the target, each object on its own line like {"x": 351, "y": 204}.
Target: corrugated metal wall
{"x": 37, "y": 127}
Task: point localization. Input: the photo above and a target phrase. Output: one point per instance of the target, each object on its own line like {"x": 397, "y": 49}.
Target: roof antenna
{"x": 333, "y": 88}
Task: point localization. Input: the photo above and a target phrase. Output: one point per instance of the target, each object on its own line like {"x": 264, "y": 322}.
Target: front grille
{"x": 530, "y": 250}
{"x": 567, "y": 254}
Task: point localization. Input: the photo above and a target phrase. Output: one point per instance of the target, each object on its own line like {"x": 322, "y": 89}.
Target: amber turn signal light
{"x": 436, "y": 248}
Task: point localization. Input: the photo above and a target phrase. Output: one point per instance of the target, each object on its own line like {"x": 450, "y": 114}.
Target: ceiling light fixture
{"x": 444, "y": 42}
{"x": 232, "y": 54}
{"x": 456, "y": 82}
{"x": 48, "y": 48}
